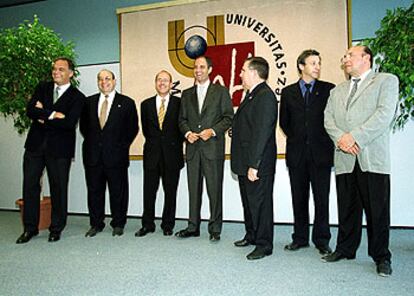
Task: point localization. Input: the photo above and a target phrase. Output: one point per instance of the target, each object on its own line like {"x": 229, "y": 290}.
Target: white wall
{"x": 402, "y": 207}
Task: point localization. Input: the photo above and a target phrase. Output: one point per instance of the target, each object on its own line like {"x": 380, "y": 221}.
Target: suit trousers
{"x": 199, "y": 168}
{"x": 57, "y": 169}
{"x": 170, "y": 179}
{"x": 257, "y": 198}
{"x": 302, "y": 177}
{"x": 117, "y": 179}
{"x": 369, "y": 192}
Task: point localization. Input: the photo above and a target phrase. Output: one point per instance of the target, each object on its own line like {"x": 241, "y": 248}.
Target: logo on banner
{"x": 185, "y": 44}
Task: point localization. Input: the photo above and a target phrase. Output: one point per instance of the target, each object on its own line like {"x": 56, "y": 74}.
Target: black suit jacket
{"x": 164, "y": 145}
{"x": 59, "y": 135}
{"x": 216, "y": 113}
{"x": 253, "y": 143}
{"x": 304, "y": 126}
{"x": 108, "y": 146}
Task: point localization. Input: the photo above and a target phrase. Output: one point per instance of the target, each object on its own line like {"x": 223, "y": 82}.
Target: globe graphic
{"x": 195, "y": 46}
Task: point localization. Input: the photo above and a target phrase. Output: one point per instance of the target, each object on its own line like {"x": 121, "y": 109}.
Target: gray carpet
{"x": 158, "y": 265}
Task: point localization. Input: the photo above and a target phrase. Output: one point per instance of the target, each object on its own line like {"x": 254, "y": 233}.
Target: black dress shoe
{"x": 295, "y": 246}
{"x": 26, "y": 236}
{"x": 242, "y": 243}
{"x": 93, "y": 231}
{"x": 384, "y": 268}
{"x": 168, "y": 232}
{"x": 335, "y": 256}
{"x": 258, "y": 254}
{"x": 144, "y": 231}
{"x": 185, "y": 233}
{"x": 214, "y": 237}
{"x": 117, "y": 231}
{"x": 324, "y": 250}
{"x": 54, "y": 236}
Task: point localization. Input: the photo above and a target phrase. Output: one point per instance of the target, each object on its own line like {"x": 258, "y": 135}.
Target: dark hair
{"x": 303, "y": 56}
{"x": 367, "y": 50}
{"x": 208, "y": 61}
{"x": 260, "y": 65}
{"x": 71, "y": 65}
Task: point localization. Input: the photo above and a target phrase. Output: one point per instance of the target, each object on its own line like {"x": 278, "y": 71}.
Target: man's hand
{"x": 206, "y": 134}
{"x": 346, "y": 142}
{"x": 192, "y": 137}
{"x": 58, "y": 115}
{"x": 39, "y": 105}
{"x": 252, "y": 174}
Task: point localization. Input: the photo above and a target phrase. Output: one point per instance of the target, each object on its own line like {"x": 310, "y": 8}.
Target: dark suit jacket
{"x": 59, "y": 135}
{"x": 253, "y": 143}
{"x": 109, "y": 146}
{"x": 216, "y": 113}
{"x": 304, "y": 127}
{"x": 164, "y": 145}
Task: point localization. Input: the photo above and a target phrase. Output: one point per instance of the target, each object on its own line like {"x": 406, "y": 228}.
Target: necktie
{"x": 103, "y": 114}
{"x": 56, "y": 94}
{"x": 307, "y": 93}
{"x": 161, "y": 113}
{"x": 353, "y": 91}
{"x": 200, "y": 96}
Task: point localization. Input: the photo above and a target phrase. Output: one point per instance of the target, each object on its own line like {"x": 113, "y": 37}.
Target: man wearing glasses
{"x": 358, "y": 118}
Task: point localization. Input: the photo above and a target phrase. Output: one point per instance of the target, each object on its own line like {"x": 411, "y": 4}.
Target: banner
{"x": 170, "y": 35}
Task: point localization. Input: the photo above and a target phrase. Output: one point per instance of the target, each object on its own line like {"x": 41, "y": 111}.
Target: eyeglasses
{"x": 350, "y": 56}
{"x": 105, "y": 79}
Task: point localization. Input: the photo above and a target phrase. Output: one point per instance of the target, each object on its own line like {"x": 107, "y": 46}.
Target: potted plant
{"x": 26, "y": 56}
{"x": 394, "y": 44}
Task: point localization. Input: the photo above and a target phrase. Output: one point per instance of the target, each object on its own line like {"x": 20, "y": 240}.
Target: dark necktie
{"x": 353, "y": 91}
{"x": 307, "y": 93}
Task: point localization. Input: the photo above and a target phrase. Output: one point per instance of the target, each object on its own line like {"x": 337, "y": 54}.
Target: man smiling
{"x": 109, "y": 124}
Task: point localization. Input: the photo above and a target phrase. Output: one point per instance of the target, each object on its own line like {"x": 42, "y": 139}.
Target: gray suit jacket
{"x": 368, "y": 118}
{"x": 216, "y": 113}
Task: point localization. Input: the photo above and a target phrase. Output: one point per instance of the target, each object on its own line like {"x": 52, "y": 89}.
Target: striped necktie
{"x": 353, "y": 91}
{"x": 161, "y": 113}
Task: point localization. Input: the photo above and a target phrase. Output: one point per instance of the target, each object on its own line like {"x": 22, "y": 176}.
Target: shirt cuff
{"x": 52, "y": 115}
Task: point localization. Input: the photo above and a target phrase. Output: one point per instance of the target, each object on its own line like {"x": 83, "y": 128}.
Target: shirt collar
{"x": 62, "y": 88}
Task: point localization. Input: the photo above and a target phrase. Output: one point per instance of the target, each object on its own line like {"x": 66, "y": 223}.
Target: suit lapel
{"x": 344, "y": 93}
{"x": 297, "y": 95}
{"x": 367, "y": 81}
{"x": 194, "y": 99}
{"x": 315, "y": 92}
{"x": 208, "y": 98}
{"x": 153, "y": 115}
{"x": 113, "y": 111}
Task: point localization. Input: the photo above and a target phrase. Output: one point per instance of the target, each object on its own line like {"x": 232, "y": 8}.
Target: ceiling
{"x": 9, "y": 3}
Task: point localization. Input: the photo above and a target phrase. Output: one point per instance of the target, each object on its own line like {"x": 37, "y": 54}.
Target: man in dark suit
{"x": 309, "y": 151}
{"x": 253, "y": 156}
{"x": 358, "y": 118}
{"x": 54, "y": 108}
{"x": 109, "y": 124}
{"x": 163, "y": 154}
{"x": 205, "y": 115}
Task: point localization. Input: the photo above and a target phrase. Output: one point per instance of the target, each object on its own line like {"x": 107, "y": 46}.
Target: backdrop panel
{"x": 170, "y": 36}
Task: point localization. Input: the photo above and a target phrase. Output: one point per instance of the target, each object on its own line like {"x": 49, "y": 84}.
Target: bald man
{"x": 109, "y": 124}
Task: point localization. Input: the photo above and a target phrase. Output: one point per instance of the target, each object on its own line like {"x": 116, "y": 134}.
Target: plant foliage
{"x": 394, "y": 42}
{"x": 26, "y": 56}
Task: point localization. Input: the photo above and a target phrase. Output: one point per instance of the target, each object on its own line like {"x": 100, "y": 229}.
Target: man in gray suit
{"x": 206, "y": 113}
{"x": 358, "y": 118}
